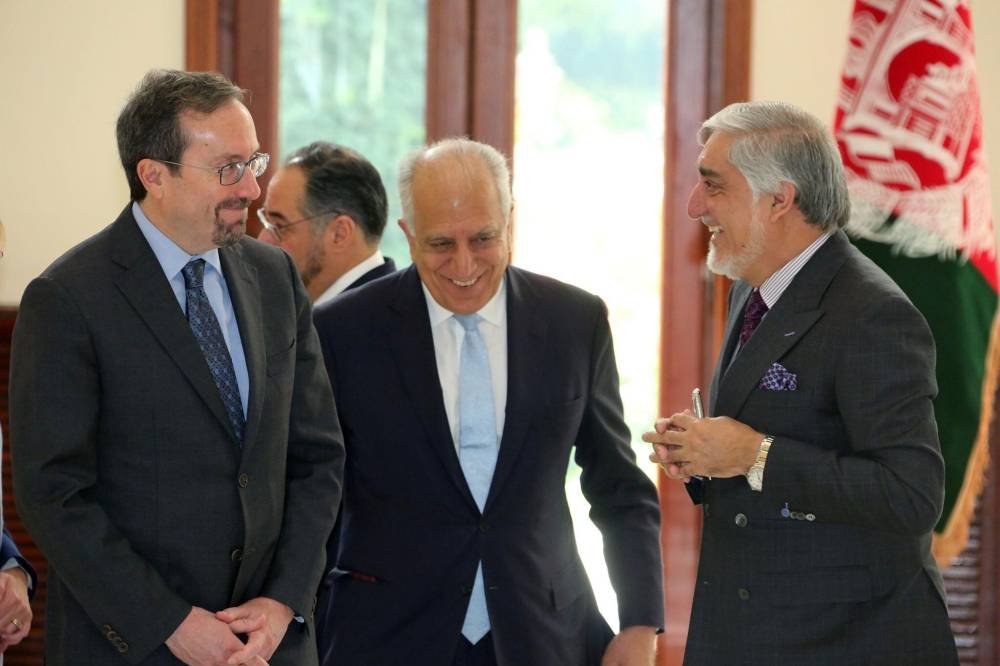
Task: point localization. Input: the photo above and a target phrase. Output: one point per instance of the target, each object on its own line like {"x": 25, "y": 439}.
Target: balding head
{"x": 464, "y": 163}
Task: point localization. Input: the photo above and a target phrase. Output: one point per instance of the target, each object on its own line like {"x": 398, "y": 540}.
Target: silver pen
{"x": 699, "y": 411}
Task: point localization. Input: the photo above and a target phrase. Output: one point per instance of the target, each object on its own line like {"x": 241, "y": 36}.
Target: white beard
{"x": 735, "y": 264}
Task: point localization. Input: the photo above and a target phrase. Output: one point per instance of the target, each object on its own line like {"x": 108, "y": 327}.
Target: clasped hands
{"x": 686, "y": 446}
{"x": 210, "y": 639}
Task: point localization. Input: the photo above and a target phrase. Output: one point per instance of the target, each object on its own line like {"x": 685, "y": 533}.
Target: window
{"x": 588, "y": 190}
{"x": 353, "y": 72}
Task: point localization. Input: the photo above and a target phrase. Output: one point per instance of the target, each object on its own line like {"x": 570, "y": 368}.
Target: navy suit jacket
{"x": 411, "y": 532}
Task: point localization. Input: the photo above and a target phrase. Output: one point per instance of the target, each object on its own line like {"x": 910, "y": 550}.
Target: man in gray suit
{"x": 818, "y": 469}
{"x": 176, "y": 451}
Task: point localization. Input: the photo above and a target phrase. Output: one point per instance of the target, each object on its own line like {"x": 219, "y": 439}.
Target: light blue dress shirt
{"x": 172, "y": 259}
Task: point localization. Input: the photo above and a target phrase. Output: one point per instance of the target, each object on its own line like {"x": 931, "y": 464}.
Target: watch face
{"x": 755, "y": 476}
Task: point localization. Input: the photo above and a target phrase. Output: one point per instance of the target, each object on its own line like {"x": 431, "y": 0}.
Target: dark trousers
{"x": 480, "y": 654}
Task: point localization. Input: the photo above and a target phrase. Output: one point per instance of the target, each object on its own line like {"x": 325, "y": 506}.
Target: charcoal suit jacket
{"x": 830, "y": 563}
{"x": 126, "y": 470}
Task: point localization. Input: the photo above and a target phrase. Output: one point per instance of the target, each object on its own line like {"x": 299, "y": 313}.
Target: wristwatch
{"x": 755, "y": 475}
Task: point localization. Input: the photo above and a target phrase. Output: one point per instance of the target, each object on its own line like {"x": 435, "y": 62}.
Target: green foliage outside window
{"x": 353, "y": 72}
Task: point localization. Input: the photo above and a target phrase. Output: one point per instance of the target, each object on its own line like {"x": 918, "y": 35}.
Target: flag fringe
{"x": 948, "y": 544}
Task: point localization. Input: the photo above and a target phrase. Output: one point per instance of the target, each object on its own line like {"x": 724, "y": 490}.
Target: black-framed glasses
{"x": 277, "y": 227}
{"x": 232, "y": 173}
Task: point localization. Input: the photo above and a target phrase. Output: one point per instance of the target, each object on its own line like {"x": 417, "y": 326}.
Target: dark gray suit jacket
{"x": 126, "y": 471}
{"x": 412, "y": 534}
{"x": 831, "y": 563}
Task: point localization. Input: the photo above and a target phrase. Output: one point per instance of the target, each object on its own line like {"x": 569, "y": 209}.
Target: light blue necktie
{"x": 477, "y": 449}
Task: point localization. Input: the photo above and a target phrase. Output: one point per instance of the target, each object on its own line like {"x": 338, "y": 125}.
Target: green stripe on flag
{"x": 959, "y": 306}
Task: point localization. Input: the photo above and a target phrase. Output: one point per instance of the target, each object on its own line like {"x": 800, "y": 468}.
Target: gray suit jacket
{"x": 126, "y": 470}
{"x": 831, "y": 563}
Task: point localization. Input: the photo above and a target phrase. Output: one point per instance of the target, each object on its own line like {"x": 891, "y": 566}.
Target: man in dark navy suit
{"x": 463, "y": 385}
{"x": 327, "y": 208}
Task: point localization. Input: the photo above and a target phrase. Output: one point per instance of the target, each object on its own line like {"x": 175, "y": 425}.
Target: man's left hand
{"x": 715, "y": 447}
{"x": 633, "y": 646}
{"x": 263, "y": 641}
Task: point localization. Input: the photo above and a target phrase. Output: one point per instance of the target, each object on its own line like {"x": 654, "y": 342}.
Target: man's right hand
{"x": 203, "y": 640}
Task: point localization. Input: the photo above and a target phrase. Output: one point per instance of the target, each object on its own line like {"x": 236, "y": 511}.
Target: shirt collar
{"x": 494, "y": 312}
{"x": 170, "y": 255}
{"x": 774, "y": 286}
{"x": 348, "y": 278}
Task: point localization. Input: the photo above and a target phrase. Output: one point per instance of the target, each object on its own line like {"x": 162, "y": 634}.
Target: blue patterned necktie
{"x": 477, "y": 449}
{"x": 205, "y": 326}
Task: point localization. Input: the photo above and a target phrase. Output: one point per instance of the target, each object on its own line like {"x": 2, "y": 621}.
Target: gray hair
{"x": 470, "y": 156}
{"x": 775, "y": 142}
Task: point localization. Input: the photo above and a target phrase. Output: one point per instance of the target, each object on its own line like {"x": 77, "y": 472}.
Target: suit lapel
{"x": 526, "y": 334}
{"x": 786, "y": 323}
{"x": 241, "y": 280}
{"x": 412, "y": 346}
{"x": 739, "y": 294}
{"x": 147, "y": 290}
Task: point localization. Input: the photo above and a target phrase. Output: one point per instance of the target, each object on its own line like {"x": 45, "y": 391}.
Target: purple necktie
{"x": 754, "y": 312}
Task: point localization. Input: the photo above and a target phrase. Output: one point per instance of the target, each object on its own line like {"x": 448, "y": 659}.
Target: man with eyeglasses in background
{"x": 327, "y": 208}
{"x": 155, "y": 371}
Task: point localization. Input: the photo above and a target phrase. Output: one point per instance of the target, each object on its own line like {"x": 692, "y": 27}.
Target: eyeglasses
{"x": 232, "y": 173}
{"x": 277, "y": 227}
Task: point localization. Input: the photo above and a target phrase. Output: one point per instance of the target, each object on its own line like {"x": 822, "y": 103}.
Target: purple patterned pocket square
{"x": 778, "y": 378}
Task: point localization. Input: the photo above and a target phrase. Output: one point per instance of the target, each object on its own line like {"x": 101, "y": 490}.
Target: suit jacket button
{"x": 106, "y": 629}
{"x": 236, "y": 555}
{"x": 741, "y": 520}
{"x": 122, "y": 647}
{"x": 744, "y": 594}
{"x": 483, "y": 526}
{"x": 244, "y": 480}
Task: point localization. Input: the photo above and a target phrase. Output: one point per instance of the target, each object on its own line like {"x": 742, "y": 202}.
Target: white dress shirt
{"x": 448, "y": 335}
{"x": 348, "y": 278}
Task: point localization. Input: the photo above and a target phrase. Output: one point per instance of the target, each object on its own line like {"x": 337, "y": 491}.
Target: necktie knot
{"x": 194, "y": 274}
{"x": 469, "y": 322}
{"x": 755, "y": 311}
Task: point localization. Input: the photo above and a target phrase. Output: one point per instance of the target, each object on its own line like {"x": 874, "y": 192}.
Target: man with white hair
{"x": 818, "y": 466}
{"x": 463, "y": 384}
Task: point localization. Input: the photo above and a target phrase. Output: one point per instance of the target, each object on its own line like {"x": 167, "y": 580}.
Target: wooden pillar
{"x": 707, "y": 66}
{"x": 471, "y": 50}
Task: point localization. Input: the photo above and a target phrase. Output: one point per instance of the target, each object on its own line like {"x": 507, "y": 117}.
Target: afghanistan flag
{"x": 909, "y": 127}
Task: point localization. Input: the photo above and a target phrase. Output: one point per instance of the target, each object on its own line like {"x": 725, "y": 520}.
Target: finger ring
{"x": 16, "y": 622}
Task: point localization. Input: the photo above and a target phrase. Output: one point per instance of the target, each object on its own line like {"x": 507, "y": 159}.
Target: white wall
{"x": 798, "y": 51}
{"x": 66, "y": 67}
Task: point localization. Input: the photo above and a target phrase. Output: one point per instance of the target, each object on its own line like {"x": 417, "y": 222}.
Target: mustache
{"x": 235, "y": 203}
